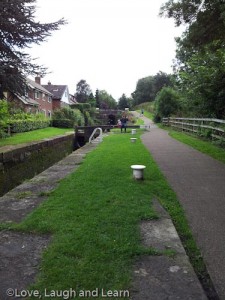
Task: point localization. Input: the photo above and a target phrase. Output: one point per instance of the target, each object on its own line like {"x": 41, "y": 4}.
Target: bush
{"x": 166, "y": 104}
{"x": 81, "y": 106}
{"x": 17, "y": 126}
{"x": 73, "y": 115}
{"x": 63, "y": 123}
{"x": 4, "y": 115}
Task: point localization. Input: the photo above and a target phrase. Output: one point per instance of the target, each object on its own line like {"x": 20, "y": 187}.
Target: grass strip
{"x": 34, "y": 135}
{"x": 203, "y": 146}
{"x": 94, "y": 216}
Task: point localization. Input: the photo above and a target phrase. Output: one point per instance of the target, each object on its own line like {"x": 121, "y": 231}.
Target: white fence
{"x": 211, "y": 128}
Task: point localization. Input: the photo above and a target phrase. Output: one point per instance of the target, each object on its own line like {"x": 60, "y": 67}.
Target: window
{"x": 43, "y": 96}
{"x": 44, "y": 112}
{"x": 49, "y": 113}
{"x": 37, "y": 94}
{"x": 26, "y": 92}
{"x": 49, "y": 99}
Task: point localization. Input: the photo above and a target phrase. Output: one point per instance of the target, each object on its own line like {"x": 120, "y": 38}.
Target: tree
{"x": 161, "y": 80}
{"x": 97, "y": 98}
{"x": 166, "y": 103}
{"x": 199, "y": 64}
{"x": 148, "y": 87}
{"x": 123, "y": 102}
{"x": 202, "y": 82}
{"x": 205, "y": 19}
{"x": 106, "y": 101}
{"x": 144, "y": 90}
{"x": 83, "y": 91}
{"x": 18, "y": 30}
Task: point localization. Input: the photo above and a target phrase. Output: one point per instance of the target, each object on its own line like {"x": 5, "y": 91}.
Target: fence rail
{"x": 210, "y": 128}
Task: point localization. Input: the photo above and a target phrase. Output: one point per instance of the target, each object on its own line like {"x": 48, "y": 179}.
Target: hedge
{"x": 66, "y": 123}
{"x": 17, "y": 126}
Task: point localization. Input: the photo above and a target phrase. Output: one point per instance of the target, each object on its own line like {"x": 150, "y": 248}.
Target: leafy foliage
{"x": 18, "y": 30}
{"x": 124, "y": 102}
{"x": 148, "y": 87}
{"x": 67, "y": 117}
{"x": 4, "y": 114}
{"x": 17, "y": 126}
{"x": 205, "y": 19}
{"x": 83, "y": 92}
{"x": 166, "y": 104}
{"x": 199, "y": 65}
{"x": 106, "y": 101}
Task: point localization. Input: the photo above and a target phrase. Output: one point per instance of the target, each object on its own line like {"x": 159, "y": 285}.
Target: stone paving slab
{"x": 163, "y": 277}
{"x": 20, "y": 255}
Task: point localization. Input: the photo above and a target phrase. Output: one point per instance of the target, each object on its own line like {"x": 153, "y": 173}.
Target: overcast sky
{"x": 109, "y": 43}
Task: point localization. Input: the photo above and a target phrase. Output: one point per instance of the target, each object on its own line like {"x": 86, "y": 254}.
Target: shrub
{"x": 4, "y": 115}
{"x": 81, "y": 106}
{"x": 64, "y": 114}
{"x": 17, "y": 126}
{"x": 66, "y": 123}
{"x": 166, "y": 104}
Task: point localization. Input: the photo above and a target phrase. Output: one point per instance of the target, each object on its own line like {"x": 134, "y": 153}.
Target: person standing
{"x": 124, "y": 121}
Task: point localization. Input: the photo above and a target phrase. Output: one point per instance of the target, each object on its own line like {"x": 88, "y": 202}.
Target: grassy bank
{"x": 35, "y": 135}
{"x": 148, "y": 108}
{"x": 94, "y": 215}
{"x": 206, "y": 147}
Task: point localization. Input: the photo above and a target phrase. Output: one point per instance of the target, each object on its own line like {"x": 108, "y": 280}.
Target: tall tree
{"x": 106, "y": 101}
{"x": 144, "y": 90}
{"x": 205, "y": 19}
{"x": 123, "y": 102}
{"x": 148, "y": 87}
{"x": 18, "y": 30}
{"x": 83, "y": 91}
{"x": 199, "y": 64}
{"x": 97, "y": 98}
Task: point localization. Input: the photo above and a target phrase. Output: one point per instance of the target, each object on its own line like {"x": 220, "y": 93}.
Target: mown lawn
{"x": 93, "y": 217}
{"x": 35, "y": 135}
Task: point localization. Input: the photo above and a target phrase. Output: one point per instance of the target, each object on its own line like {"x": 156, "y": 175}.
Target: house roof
{"x": 73, "y": 99}
{"x": 27, "y": 100}
{"x": 37, "y": 86}
{"x": 56, "y": 90}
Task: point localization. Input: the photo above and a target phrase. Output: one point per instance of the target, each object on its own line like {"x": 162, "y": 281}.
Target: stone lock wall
{"x": 18, "y": 163}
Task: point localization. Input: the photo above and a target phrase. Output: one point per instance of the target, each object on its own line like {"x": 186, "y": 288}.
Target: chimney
{"x": 49, "y": 82}
{"x": 38, "y": 80}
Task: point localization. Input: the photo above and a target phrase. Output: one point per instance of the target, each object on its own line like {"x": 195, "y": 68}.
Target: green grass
{"x": 206, "y": 147}
{"x": 148, "y": 115}
{"x": 148, "y": 109}
{"x": 94, "y": 214}
{"x": 139, "y": 121}
{"x": 35, "y": 135}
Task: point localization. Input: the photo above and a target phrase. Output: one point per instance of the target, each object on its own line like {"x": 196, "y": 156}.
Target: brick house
{"x": 35, "y": 99}
{"x": 60, "y": 95}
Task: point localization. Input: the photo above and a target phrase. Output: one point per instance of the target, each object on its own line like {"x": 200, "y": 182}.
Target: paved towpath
{"x": 199, "y": 182}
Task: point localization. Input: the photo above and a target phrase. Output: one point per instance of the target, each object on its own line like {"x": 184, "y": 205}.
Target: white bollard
{"x": 138, "y": 171}
{"x": 133, "y": 140}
